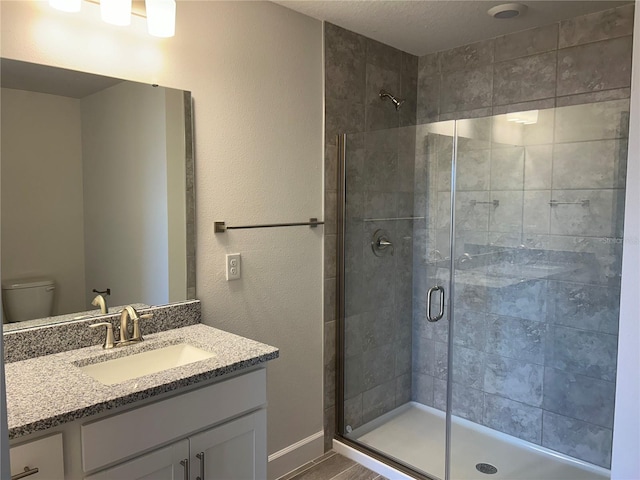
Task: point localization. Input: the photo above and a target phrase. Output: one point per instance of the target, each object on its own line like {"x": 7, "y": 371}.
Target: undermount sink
{"x": 126, "y": 368}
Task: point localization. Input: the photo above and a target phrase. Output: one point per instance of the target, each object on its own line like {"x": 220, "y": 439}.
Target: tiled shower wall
{"x": 535, "y": 359}
{"x": 356, "y": 69}
{"x": 580, "y": 60}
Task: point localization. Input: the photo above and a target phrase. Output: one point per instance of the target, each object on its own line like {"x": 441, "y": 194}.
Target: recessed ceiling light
{"x": 507, "y": 10}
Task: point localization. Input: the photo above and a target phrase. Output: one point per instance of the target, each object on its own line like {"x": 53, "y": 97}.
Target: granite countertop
{"x": 48, "y": 391}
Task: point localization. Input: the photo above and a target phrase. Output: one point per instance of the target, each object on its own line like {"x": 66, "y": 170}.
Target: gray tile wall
{"x": 535, "y": 359}
{"x": 378, "y": 324}
{"x": 578, "y": 60}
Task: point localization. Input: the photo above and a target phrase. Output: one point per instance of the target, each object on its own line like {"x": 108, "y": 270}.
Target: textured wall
{"x": 534, "y": 358}
{"x": 378, "y": 289}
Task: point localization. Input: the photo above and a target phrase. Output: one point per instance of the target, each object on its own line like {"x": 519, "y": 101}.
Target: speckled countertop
{"x": 51, "y": 390}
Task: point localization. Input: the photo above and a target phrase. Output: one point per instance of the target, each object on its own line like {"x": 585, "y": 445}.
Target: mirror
{"x": 96, "y": 189}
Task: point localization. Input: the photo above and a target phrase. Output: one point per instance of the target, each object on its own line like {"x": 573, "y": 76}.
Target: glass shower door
{"x": 539, "y": 201}
{"x": 390, "y": 260}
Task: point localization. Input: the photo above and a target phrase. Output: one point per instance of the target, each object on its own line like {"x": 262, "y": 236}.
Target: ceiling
{"x": 421, "y": 27}
{"x": 415, "y": 26}
{"x": 52, "y": 80}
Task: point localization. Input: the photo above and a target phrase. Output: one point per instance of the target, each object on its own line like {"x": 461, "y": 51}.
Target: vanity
{"x": 203, "y": 419}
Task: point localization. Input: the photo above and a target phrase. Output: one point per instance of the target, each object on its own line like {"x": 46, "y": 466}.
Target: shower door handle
{"x": 440, "y": 314}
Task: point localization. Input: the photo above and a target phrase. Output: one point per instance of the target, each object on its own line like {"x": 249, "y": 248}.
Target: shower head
{"x": 396, "y": 101}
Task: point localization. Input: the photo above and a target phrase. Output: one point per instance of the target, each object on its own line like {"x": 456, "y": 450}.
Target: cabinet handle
{"x": 27, "y": 472}
{"x": 185, "y": 464}
{"x": 200, "y": 456}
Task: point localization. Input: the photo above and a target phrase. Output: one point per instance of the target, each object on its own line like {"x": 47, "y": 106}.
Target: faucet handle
{"x": 137, "y": 336}
{"x": 108, "y": 342}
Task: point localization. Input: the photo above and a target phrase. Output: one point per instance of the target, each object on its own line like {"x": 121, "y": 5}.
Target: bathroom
{"x": 258, "y": 129}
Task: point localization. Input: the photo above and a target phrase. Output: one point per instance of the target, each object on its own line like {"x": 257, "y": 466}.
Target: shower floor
{"x": 415, "y": 435}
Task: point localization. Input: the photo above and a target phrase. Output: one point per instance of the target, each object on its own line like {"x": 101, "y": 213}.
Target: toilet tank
{"x": 28, "y": 298}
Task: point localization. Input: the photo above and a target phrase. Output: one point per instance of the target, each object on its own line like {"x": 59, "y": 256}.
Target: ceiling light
{"x": 160, "y": 14}
{"x": 507, "y": 10}
{"x": 525, "y": 118}
{"x": 116, "y": 12}
{"x": 66, "y": 5}
{"x": 161, "y": 17}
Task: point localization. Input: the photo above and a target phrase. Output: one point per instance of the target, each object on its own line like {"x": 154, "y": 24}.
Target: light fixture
{"x": 161, "y": 17}
{"x": 507, "y": 10}
{"x": 160, "y": 14}
{"x": 66, "y": 5}
{"x": 525, "y": 118}
{"x": 116, "y": 12}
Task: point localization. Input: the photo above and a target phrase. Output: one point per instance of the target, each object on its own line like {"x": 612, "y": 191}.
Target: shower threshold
{"x": 414, "y": 434}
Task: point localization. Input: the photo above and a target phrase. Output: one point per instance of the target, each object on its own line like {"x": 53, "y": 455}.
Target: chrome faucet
{"x": 99, "y": 301}
{"x": 129, "y": 312}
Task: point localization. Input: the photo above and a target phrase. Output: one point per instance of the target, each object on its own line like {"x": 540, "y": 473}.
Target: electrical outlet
{"x": 233, "y": 266}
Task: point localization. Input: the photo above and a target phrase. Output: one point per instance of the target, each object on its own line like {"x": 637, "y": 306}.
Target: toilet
{"x": 28, "y": 298}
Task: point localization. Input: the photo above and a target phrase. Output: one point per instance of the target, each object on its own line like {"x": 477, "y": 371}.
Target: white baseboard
{"x": 369, "y": 462}
{"x": 295, "y": 455}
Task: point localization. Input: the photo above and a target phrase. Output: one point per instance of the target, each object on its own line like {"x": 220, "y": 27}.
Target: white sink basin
{"x": 153, "y": 361}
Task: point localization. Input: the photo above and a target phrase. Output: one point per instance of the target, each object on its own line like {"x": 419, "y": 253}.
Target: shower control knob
{"x": 380, "y": 243}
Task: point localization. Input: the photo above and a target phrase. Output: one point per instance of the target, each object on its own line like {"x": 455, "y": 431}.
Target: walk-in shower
{"x": 479, "y": 276}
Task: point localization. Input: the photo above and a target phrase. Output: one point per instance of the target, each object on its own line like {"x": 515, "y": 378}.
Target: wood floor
{"x": 332, "y": 466}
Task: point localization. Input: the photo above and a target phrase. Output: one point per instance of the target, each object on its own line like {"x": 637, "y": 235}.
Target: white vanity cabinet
{"x": 219, "y": 429}
{"x": 44, "y": 455}
{"x": 168, "y": 463}
{"x": 233, "y": 451}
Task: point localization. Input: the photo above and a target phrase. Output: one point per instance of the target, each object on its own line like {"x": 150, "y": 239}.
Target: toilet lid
{"x": 27, "y": 283}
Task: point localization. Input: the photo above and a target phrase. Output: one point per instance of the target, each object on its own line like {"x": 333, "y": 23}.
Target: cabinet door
{"x": 234, "y": 451}
{"x": 44, "y": 454}
{"x": 162, "y": 464}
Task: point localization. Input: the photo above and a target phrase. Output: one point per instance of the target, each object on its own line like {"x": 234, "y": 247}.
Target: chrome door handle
{"x": 185, "y": 464}
{"x": 200, "y": 456}
{"x": 440, "y": 314}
